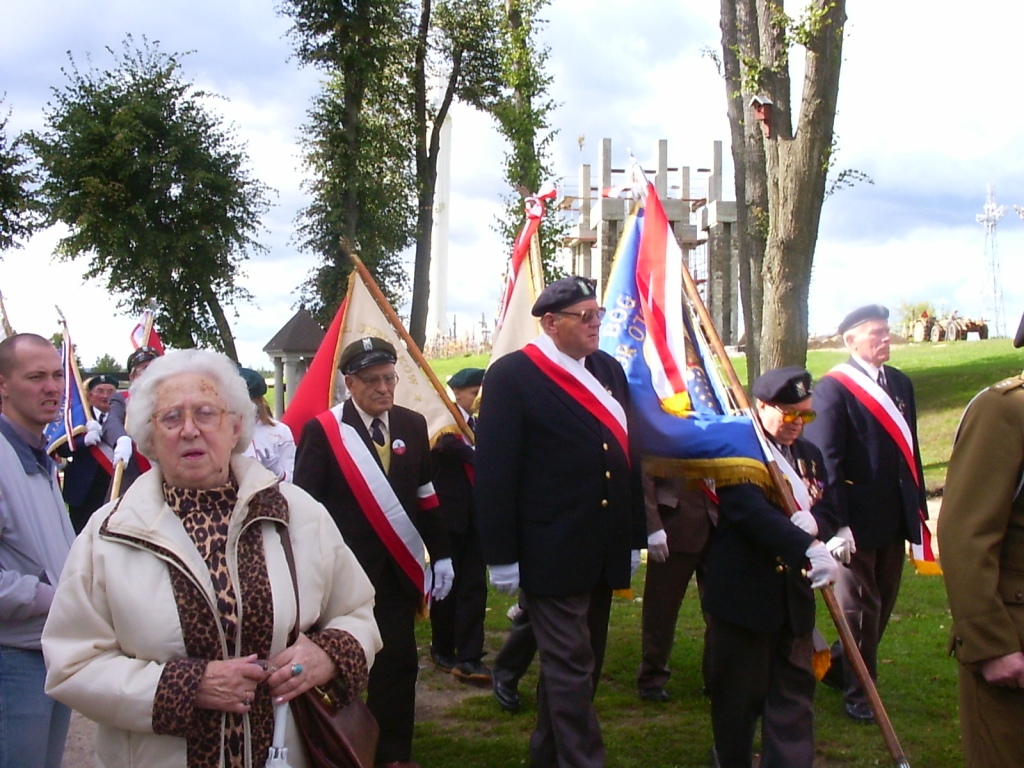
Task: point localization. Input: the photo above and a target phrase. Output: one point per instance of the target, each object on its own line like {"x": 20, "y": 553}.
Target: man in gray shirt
{"x": 35, "y": 537}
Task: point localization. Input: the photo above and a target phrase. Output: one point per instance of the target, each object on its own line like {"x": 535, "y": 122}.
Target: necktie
{"x": 377, "y": 431}
{"x": 101, "y": 417}
{"x": 471, "y": 422}
{"x": 882, "y": 382}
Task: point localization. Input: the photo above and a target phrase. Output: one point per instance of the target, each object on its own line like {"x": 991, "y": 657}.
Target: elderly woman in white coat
{"x": 171, "y": 624}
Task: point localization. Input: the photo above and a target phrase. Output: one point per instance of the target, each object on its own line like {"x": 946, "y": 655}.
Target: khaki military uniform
{"x": 981, "y": 543}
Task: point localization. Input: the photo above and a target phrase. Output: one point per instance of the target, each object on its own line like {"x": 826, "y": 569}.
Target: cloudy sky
{"x": 925, "y": 110}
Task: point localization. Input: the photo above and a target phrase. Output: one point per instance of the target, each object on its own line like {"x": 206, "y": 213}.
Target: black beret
{"x": 365, "y": 352}
{"x": 141, "y": 355}
{"x": 783, "y": 386}
{"x": 101, "y": 378}
{"x": 862, "y": 315}
{"x": 1018, "y": 340}
{"x": 564, "y": 293}
{"x": 256, "y": 384}
{"x": 467, "y": 377}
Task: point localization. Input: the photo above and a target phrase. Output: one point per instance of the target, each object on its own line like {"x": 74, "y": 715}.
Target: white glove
{"x": 824, "y": 568}
{"x": 93, "y": 431}
{"x": 842, "y": 545}
{"x": 657, "y": 546}
{"x": 272, "y": 461}
{"x": 634, "y": 562}
{"x": 444, "y": 577}
{"x": 805, "y": 521}
{"x": 123, "y": 449}
{"x": 505, "y": 578}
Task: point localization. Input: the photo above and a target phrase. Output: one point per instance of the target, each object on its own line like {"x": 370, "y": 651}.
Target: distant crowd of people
{"x": 200, "y": 568}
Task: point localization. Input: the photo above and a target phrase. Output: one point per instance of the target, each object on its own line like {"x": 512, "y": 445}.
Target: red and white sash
{"x": 796, "y": 483}
{"x": 376, "y": 497}
{"x": 881, "y": 406}
{"x": 572, "y": 376}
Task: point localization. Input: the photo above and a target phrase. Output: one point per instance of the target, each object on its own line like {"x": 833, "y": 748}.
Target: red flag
{"x": 314, "y": 393}
{"x": 145, "y": 335}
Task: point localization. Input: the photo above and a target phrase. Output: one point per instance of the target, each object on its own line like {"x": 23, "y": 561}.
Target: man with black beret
{"x": 457, "y": 623}
{"x": 757, "y": 589}
{"x": 981, "y": 537}
{"x": 560, "y": 507}
{"x": 367, "y": 461}
{"x": 88, "y": 472}
{"x": 867, "y": 431}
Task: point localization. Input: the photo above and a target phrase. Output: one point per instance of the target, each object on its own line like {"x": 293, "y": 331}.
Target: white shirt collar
{"x": 368, "y": 419}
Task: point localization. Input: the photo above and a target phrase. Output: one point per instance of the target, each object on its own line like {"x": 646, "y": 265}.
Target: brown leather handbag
{"x": 334, "y": 737}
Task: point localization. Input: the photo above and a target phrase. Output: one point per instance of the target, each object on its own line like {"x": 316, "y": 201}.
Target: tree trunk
{"x": 795, "y": 163}
{"x": 223, "y": 327}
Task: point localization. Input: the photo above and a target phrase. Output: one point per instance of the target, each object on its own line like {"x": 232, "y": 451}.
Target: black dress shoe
{"x": 443, "y": 662}
{"x": 507, "y": 696}
{"x": 859, "y": 711}
{"x": 657, "y": 694}
{"x": 834, "y": 677}
{"x": 473, "y": 673}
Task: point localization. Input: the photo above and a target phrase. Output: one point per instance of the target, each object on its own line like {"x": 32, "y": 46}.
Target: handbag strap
{"x": 289, "y": 555}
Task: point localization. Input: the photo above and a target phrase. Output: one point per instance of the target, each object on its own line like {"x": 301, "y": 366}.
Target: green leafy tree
{"x": 107, "y": 364}
{"x": 356, "y": 145}
{"x": 155, "y": 192}
{"x": 521, "y": 113}
{"x": 781, "y": 173}
{"x": 19, "y": 213}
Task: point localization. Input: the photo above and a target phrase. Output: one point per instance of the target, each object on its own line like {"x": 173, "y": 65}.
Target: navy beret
{"x": 467, "y": 377}
{"x": 783, "y": 386}
{"x": 564, "y": 293}
{"x": 256, "y": 384}
{"x": 140, "y": 356}
{"x": 365, "y": 352}
{"x": 101, "y": 378}
{"x": 862, "y": 315}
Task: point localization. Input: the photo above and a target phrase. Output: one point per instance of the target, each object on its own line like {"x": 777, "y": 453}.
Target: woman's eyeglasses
{"x": 587, "y": 315}
{"x": 789, "y": 417}
{"x": 203, "y": 416}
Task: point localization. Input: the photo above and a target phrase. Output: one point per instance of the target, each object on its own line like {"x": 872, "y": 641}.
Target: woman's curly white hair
{"x": 215, "y": 366}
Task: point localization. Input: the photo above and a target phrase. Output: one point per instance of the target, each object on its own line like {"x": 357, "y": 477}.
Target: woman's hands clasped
{"x": 230, "y": 686}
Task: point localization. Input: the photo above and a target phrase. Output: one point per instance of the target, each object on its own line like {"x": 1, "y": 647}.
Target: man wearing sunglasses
{"x": 757, "y": 589}
{"x": 560, "y": 507}
{"x": 368, "y": 461}
{"x": 867, "y": 431}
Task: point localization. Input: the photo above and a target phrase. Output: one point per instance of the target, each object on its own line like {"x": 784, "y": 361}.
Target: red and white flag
{"x": 323, "y": 385}
{"x": 516, "y": 325}
{"x": 145, "y": 335}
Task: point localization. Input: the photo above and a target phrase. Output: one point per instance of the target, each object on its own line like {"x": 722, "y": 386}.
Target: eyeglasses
{"x": 788, "y": 417}
{"x": 388, "y": 379}
{"x": 203, "y": 416}
{"x": 587, "y": 315}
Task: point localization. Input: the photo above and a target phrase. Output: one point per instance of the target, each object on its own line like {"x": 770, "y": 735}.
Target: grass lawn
{"x": 917, "y": 680}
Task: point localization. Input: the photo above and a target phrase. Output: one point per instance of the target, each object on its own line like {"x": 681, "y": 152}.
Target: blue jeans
{"x": 33, "y": 727}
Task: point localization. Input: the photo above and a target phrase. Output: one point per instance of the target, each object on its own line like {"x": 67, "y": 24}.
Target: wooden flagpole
{"x": 846, "y": 635}
{"x": 413, "y": 349}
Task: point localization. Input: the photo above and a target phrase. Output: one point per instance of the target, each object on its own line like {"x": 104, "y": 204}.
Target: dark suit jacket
{"x": 317, "y": 471}
{"x": 554, "y": 490}
{"x": 81, "y": 472}
{"x": 450, "y": 458}
{"x": 753, "y": 575}
{"x": 877, "y": 496}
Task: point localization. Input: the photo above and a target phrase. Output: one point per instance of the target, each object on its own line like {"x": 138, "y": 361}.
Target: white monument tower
{"x": 992, "y": 292}
{"x": 437, "y": 304}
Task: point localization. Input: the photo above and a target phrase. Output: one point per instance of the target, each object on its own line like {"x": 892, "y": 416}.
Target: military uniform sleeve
{"x": 746, "y": 507}
{"x": 312, "y": 465}
{"x": 981, "y": 537}
{"x": 828, "y": 433}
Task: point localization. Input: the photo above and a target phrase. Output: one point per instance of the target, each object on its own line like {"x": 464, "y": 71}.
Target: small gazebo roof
{"x": 300, "y": 336}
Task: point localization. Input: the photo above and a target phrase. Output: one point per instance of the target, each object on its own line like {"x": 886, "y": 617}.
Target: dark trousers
{"x": 766, "y": 675}
{"x": 517, "y": 652}
{"x": 867, "y": 592}
{"x": 664, "y": 590}
{"x": 94, "y": 499}
{"x": 457, "y": 622}
{"x": 391, "y": 692}
{"x": 571, "y": 634}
